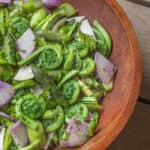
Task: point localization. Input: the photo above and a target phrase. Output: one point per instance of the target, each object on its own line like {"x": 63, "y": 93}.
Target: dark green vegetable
{"x": 87, "y": 40}
{"x": 69, "y": 61}
{"x": 67, "y": 30}
{"x": 78, "y": 47}
{"x": 88, "y": 67}
{"x": 53, "y": 119}
{"x": 79, "y": 111}
{"x": 24, "y": 85}
{"x": 71, "y": 91}
{"x": 68, "y": 76}
{"x": 2, "y": 58}
{"x": 93, "y": 123}
{"x": 51, "y": 36}
{"x": 103, "y": 39}
{"x": 6, "y": 74}
{"x": 18, "y": 26}
{"x": 9, "y": 50}
{"x": 51, "y": 57}
{"x": 54, "y": 74}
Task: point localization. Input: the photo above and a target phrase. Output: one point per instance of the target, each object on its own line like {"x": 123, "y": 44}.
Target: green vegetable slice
{"x": 88, "y": 67}
{"x": 53, "y": 119}
{"x": 51, "y": 57}
{"x": 71, "y": 91}
{"x": 79, "y": 111}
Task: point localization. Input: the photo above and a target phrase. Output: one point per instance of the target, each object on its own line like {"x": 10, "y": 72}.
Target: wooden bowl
{"x": 120, "y": 103}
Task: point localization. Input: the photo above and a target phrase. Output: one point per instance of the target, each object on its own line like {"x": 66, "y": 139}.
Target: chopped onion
{"x": 19, "y": 133}
{"x": 6, "y": 93}
{"x": 105, "y": 69}
{"x": 2, "y": 136}
{"x": 7, "y": 116}
{"x": 77, "y": 19}
{"x": 51, "y": 3}
{"x": 86, "y": 28}
{"x": 24, "y": 73}
{"x": 26, "y": 44}
{"x": 78, "y": 133}
{"x": 5, "y": 1}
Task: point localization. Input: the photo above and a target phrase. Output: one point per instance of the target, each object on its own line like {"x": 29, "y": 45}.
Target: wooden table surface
{"x": 138, "y": 12}
{"x": 136, "y": 135}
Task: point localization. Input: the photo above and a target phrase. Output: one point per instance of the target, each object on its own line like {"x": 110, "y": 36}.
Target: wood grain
{"x": 140, "y": 16}
{"x": 120, "y": 103}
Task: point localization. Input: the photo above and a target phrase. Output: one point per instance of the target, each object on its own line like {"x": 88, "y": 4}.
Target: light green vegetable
{"x": 37, "y": 17}
{"x": 64, "y": 10}
{"x": 53, "y": 119}
{"x": 79, "y": 111}
{"x": 68, "y": 76}
{"x": 103, "y": 39}
{"x": 24, "y": 85}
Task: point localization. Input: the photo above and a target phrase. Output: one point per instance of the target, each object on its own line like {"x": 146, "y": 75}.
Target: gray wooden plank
{"x": 136, "y": 135}
{"x": 140, "y": 16}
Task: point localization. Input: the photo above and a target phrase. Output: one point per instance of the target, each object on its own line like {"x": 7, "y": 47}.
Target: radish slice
{"x": 105, "y": 69}
{"x": 6, "y": 93}
{"x": 86, "y": 28}
{"x": 77, "y": 19}
{"x": 5, "y": 1}
{"x": 2, "y": 135}
{"x": 19, "y": 134}
{"x": 26, "y": 44}
{"x": 7, "y": 116}
{"x": 78, "y": 133}
{"x": 24, "y": 73}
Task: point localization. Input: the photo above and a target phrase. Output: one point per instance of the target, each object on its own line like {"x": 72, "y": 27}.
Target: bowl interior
{"x": 119, "y": 104}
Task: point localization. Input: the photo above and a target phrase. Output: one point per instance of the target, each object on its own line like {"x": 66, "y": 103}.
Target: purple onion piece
{"x": 6, "y": 93}
{"x": 51, "y": 3}
{"x": 19, "y": 133}
{"x": 7, "y": 116}
{"x": 105, "y": 69}
{"x": 78, "y": 133}
{"x": 26, "y": 44}
{"x": 5, "y": 1}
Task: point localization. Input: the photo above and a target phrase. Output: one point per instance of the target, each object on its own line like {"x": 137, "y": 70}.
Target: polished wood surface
{"x": 120, "y": 103}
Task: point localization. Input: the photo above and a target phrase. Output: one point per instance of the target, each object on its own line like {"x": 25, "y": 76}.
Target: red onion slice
{"x": 7, "y": 116}
{"x": 78, "y": 133}
{"x": 6, "y": 93}
{"x": 105, "y": 69}
{"x": 26, "y": 44}
{"x": 19, "y": 133}
{"x": 5, "y": 1}
{"x": 51, "y": 3}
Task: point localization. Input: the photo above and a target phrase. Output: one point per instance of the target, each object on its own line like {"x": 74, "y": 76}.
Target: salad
{"x": 54, "y": 70}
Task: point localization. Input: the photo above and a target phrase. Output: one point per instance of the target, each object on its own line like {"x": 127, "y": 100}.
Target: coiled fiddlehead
{"x": 51, "y": 57}
{"x": 71, "y": 91}
{"x": 53, "y": 119}
{"x": 29, "y": 108}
